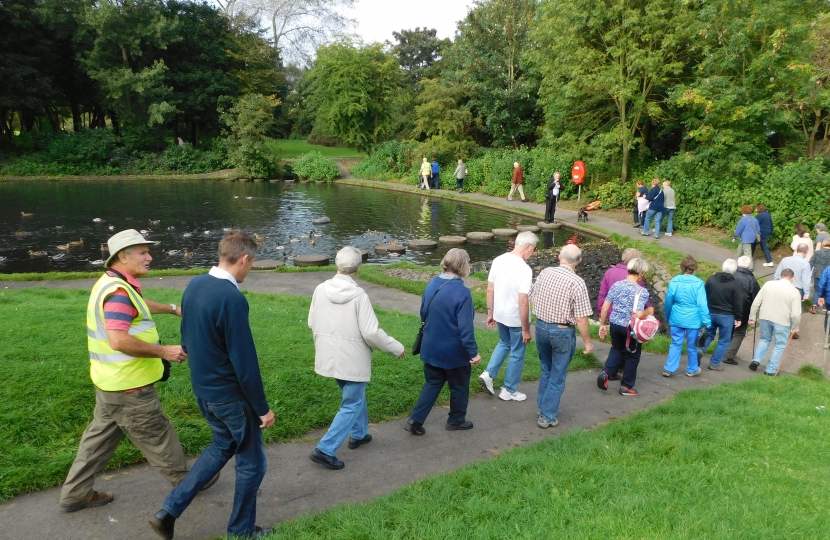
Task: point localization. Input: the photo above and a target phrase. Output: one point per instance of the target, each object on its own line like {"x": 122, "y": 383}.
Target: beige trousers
{"x": 139, "y": 416}
{"x": 424, "y": 182}
{"x": 514, "y": 187}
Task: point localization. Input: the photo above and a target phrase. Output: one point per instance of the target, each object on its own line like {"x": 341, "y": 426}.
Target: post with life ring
{"x": 578, "y": 176}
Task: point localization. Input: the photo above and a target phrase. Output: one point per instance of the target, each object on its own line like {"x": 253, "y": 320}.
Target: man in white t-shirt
{"x": 508, "y": 287}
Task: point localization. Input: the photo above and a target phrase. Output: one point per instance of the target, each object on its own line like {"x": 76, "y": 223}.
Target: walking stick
{"x": 826, "y": 340}
{"x": 783, "y": 354}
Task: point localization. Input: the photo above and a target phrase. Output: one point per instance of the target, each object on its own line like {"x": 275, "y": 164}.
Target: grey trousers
{"x": 139, "y": 416}
{"x": 738, "y": 335}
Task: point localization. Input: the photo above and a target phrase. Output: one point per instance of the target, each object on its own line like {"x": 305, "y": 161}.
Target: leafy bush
{"x": 313, "y": 166}
{"x": 390, "y": 160}
{"x": 493, "y": 171}
{"x": 249, "y": 119}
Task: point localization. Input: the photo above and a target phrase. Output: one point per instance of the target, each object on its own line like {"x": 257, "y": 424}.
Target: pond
{"x": 189, "y": 218}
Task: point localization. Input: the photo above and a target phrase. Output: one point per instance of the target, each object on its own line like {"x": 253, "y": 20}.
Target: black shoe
{"x": 602, "y": 380}
{"x": 754, "y": 365}
{"x": 769, "y": 374}
{"x": 327, "y": 461}
{"x": 261, "y": 532}
{"x": 730, "y": 361}
{"x": 211, "y": 482}
{"x": 163, "y": 523}
{"x": 354, "y": 443}
{"x": 416, "y": 428}
{"x": 466, "y": 424}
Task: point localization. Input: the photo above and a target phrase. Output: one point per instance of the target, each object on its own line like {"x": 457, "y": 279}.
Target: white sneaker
{"x": 486, "y": 382}
{"x": 511, "y": 396}
{"x": 768, "y": 264}
{"x": 668, "y": 234}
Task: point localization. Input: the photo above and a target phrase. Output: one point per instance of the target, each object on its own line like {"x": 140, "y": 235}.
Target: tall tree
{"x": 351, "y": 89}
{"x": 605, "y": 66}
{"x": 488, "y": 52}
{"x": 418, "y": 51}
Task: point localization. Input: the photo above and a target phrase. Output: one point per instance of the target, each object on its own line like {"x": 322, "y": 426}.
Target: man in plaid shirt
{"x": 560, "y": 302}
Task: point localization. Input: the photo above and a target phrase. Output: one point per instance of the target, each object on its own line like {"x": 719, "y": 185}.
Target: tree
{"x": 248, "y": 121}
{"x": 351, "y": 89}
{"x": 608, "y": 73}
{"x": 419, "y": 51}
{"x": 488, "y": 56}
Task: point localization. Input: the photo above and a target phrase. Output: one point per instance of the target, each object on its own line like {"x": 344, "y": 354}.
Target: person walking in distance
{"x": 425, "y": 173}
{"x": 641, "y": 192}
{"x": 508, "y": 287}
{"x": 560, "y": 302}
{"x": 726, "y": 309}
{"x": 669, "y": 206}
{"x": 778, "y": 307}
{"x": 551, "y": 196}
{"x": 460, "y": 175}
{"x": 516, "y": 182}
{"x": 655, "y": 199}
{"x": 801, "y": 271}
{"x": 436, "y": 174}
{"x": 750, "y": 287}
{"x": 126, "y": 360}
{"x": 748, "y": 230}
{"x": 227, "y": 383}
{"x": 767, "y": 228}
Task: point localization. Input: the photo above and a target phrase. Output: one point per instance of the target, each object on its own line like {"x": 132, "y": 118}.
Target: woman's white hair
{"x": 637, "y": 266}
{"x": 348, "y": 259}
{"x": 730, "y": 265}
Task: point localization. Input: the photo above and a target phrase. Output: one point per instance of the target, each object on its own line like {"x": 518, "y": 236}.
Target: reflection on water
{"x": 189, "y": 218}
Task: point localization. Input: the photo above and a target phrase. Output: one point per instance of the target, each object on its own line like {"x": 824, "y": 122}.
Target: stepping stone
{"x": 549, "y": 226}
{"x": 244, "y": 179}
{"x": 311, "y": 260}
{"x": 259, "y": 180}
{"x": 230, "y": 180}
{"x": 274, "y": 180}
{"x": 453, "y": 239}
{"x": 531, "y": 228}
{"x": 478, "y": 235}
{"x": 321, "y": 220}
{"x": 267, "y": 264}
{"x": 389, "y": 248}
{"x": 422, "y": 243}
{"x": 505, "y": 232}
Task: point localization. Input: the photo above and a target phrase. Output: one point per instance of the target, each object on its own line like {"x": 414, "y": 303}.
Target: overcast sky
{"x": 377, "y": 19}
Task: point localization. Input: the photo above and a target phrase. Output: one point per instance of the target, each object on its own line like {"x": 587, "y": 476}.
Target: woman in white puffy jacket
{"x": 345, "y": 331}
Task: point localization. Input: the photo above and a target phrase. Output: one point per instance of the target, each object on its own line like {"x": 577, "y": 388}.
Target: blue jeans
{"x": 352, "y": 418}
{"x": 510, "y": 341}
{"x": 764, "y": 248}
{"x": 556, "y": 347}
{"x": 436, "y": 180}
{"x": 670, "y": 219}
{"x": 769, "y": 330}
{"x": 459, "y": 183}
{"x": 724, "y": 324}
{"x": 677, "y": 336}
{"x": 458, "y": 380}
{"x": 620, "y": 355}
{"x": 658, "y": 218}
{"x": 236, "y": 432}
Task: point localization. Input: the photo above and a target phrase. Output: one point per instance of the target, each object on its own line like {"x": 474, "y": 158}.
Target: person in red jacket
{"x": 517, "y": 182}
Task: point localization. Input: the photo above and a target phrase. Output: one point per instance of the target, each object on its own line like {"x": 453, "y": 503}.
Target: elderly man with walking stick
{"x": 780, "y": 314}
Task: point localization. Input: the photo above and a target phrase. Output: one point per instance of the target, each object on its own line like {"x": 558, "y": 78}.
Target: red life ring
{"x": 578, "y": 172}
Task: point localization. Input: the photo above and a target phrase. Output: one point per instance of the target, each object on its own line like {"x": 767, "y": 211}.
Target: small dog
{"x": 582, "y": 215}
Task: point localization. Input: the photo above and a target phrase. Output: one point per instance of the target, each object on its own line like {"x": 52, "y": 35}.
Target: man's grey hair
{"x": 821, "y": 227}
{"x": 526, "y": 238}
{"x": 570, "y": 254}
{"x": 631, "y": 253}
{"x": 729, "y": 265}
{"x": 456, "y": 261}
{"x": 348, "y": 259}
{"x": 744, "y": 262}
{"x": 802, "y": 248}
{"x": 787, "y": 273}
{"x": 637, "y": 266}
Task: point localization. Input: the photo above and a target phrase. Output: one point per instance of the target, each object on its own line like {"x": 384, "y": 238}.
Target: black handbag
{"x": 702, "y": 335}
{"x": 416, "y": 347}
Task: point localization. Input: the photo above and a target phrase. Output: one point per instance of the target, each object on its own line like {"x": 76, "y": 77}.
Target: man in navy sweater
{"x": 224, "y": 371}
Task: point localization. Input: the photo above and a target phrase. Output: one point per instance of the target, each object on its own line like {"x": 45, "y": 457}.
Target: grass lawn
{"x": 744, "y": 460}
{"x": 47, "y": 399}
{"x": 290, "y": 148}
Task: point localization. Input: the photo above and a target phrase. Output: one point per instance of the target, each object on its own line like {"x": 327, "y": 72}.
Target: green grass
{"x": 47, "y": 398}
{"x": 289, "y": 148}
{"x": 64, "y": 276}
{"x": 668, "y": 258}
{"x": 733, "y": 461}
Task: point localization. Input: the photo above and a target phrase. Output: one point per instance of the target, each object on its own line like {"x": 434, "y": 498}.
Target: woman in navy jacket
{"x": 767, "y": 228}
{"x": 448, "y": 348}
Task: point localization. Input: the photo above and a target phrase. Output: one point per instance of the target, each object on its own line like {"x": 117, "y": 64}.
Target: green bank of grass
{"x": 741, "y": 460}
{"x": 289, "y": 148}
{"x": 64, "y": 276}
{"x": 47, "y": 398}
{"x": 667, "y": 258}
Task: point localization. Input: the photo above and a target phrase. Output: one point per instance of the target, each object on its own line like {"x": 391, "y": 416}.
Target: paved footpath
{"x": 294, "y": 486}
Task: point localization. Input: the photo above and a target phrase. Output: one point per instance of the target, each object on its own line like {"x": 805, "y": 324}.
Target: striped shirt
{"x": 119, "y": 311}
{"x": 560, "y": 296}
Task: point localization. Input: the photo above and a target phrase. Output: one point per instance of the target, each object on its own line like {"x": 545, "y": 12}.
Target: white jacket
{"x": 346, "y": 330}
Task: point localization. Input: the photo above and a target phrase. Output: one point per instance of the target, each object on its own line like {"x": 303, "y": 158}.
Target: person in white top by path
{"x": 508, "y": 308}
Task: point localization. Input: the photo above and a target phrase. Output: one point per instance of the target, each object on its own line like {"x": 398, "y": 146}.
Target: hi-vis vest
{"x": 109, "y": 369}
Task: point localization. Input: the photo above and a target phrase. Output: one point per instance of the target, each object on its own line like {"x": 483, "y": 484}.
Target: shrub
{"x": 250, "y": 118}
{"x": 313, "y": 166}
{"x": 390, "y": 160}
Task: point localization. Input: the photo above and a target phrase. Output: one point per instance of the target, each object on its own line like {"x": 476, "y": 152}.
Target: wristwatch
{"x": 173, "y": 308}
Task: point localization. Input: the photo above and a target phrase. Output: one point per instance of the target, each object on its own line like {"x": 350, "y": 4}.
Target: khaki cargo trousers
{"x": 137, "y": 415}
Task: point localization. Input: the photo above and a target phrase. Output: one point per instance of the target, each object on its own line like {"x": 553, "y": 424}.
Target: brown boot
{"x": 98, "y": 498}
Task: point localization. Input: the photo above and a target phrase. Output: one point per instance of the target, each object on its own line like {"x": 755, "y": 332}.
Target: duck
{"x": 171, "y": 228}
{"x": 64, "y": 247}
{"x": 20, "y": 234}
{"x": 294, "y": 240}
{"x": 144, "y": 232}
{"x": 187, "y": 235}
{"x": 174, "y": 252}
{"x": 105, "y": 248}
{"x": 249, "y": 198}
{"x": 260, "y": 237}
{"x": 37, "y": 253}
{"x": 97, "y": 262}
{"x": 77, "y": 243}
{"x": 394, "y": 254}
{"x": 59, "y": 226}
{"x": 58, "y": 257}
{"x": 228, "y": 229}
{"x": 26, "y": 214}
{"x": 187, "y": 254}
{"x": 207, "y": 232}
{"x": 236, "y": 196}
{"x": 317, "y": 234}
{"x": 97, "y": 220}
{"x": 155, "y": 221}
{"x": 3, "y": 259}
{"x": 111, "y": 227}
{"x": 311, "y": 235}
{"x": 279, "y": 247}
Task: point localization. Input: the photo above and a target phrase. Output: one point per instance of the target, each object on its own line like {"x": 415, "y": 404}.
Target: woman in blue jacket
{"x": 686, "y": 310}
{"x": 448, "y": 348}
{"x": 767, "y": 228}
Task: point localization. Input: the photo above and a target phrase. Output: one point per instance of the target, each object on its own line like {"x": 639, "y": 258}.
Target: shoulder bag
{"x": 416, "y": 347}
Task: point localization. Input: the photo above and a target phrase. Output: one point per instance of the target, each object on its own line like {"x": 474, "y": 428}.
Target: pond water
{"x": 189, "y": 217}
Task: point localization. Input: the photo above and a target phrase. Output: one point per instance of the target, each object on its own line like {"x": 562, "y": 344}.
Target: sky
{"x": 377, "y": 19}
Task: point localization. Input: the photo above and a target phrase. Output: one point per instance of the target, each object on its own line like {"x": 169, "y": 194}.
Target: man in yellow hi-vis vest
{"x": 125, "y": 359}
